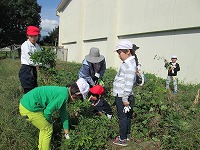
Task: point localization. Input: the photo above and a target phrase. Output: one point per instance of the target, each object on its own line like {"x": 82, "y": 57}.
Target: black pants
{"x": 28, "y": 77}
{"x": 124, "y": 118}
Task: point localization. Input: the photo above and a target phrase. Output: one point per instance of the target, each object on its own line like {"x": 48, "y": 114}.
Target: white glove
{"x": 109, "y": 116}
{"x": 97, "y": 75}
{"x": 67, "y": 136}
{"x": 126, "y": 109}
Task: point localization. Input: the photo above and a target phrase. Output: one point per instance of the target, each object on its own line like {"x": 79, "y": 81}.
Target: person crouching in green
{"x": 38, "y": 105}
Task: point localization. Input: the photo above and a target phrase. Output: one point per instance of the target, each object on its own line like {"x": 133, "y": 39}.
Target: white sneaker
{"x": 109, "y": 116}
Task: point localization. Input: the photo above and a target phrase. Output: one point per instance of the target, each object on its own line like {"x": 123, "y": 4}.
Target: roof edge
{"x": 62, "y": 4}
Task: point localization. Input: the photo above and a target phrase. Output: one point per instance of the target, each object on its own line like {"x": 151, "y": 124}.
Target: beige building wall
{"x": 160, "y": 28}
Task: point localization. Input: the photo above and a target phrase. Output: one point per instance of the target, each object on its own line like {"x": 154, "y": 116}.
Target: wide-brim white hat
{"x": 94, "y": 56}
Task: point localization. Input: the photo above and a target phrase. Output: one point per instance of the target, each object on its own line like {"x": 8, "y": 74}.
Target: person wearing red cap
{"x": 28, "y": 71}
{"x": 100, "y": 104}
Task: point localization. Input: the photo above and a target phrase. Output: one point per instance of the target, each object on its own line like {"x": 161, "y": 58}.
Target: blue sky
{"x": 48, "y": 15}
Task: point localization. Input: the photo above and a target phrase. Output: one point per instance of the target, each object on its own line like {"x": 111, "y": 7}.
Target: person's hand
{"x": 97, "y": 75}
{"x": 126, "y": 103}
{"x": 67, "y": 136}
{"x": 126, "y": 109}
{"x": 76, "y": 114}
{"x": 95, "y": 79}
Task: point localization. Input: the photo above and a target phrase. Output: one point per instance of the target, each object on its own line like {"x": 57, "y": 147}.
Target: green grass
{"x": 162, "y": 120}
{"x": 15, "y": 133}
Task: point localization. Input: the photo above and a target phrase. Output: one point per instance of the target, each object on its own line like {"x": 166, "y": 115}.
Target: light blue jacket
{"x": 87, "y": 71}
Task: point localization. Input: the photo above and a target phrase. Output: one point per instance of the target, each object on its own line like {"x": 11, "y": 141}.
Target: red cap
{"x": 97, "y": 89}
{"x": 32, "y": 30}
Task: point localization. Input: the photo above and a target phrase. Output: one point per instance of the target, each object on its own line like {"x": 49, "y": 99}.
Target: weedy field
{"x": 161, "y": 120}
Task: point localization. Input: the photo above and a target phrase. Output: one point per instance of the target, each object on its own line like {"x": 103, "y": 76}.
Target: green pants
{"x": 39, "y": 121}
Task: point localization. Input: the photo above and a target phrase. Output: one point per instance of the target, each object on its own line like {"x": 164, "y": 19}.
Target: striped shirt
{"x": 125, "y": 79}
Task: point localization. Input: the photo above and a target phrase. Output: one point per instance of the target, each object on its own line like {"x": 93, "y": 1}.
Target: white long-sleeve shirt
{"x": 26, "y": 48}
{"x": 125, "y": 79}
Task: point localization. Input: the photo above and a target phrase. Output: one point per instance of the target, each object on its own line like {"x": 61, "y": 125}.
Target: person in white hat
{"x": 93, "y": 67}
{"x": 123, "y": 89}
{"x": 173, "y": 67}
{"x": 38, "y": 105}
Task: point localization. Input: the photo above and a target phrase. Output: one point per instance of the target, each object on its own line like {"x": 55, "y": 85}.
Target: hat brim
{"x": 94, "y": 59}
{"x": 32, "y": 34}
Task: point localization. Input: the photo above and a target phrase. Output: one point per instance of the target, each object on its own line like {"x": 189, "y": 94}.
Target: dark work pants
{"x": 28, "y": 77}
{"x": 124, "y": 118}
{"x": 26, "y": 90}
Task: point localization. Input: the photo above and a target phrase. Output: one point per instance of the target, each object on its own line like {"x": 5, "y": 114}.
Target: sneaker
{"x": 128, "y": 137}
{"x": 120, "y": 142}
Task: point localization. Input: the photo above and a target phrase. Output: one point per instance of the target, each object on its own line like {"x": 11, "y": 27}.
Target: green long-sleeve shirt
{"x": 48, "y": 99}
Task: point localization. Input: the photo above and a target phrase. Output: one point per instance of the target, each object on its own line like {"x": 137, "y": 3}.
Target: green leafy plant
{"x": 160, "y": 119}
{"x": 46, "y": 56}
{"x": 46, "y": 59}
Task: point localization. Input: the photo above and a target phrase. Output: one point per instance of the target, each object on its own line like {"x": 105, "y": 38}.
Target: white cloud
{"x": 48, "y": 26}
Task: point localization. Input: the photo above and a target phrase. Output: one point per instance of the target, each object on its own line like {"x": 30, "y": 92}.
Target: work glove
{"x": 67, "y": 136}
{"x": 96, "y": 78}
{"x": 97, "y": 75}
{"x": 126, "y": 109}
{"x": 109, "y": 116}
